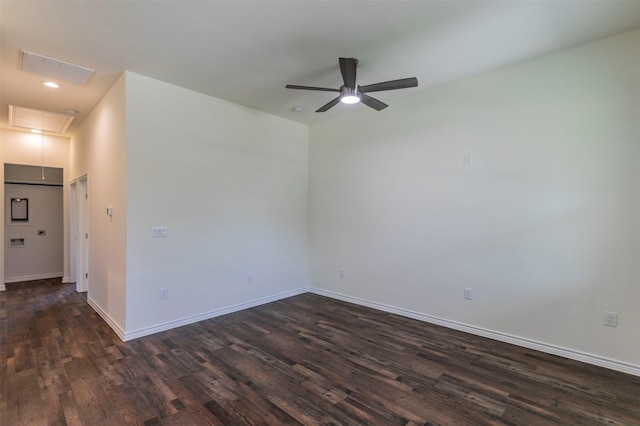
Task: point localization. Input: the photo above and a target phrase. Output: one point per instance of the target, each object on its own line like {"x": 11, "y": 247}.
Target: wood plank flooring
{"x": 303, "y": 360}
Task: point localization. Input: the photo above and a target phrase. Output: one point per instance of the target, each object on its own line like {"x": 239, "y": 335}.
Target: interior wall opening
{"x": 34, "y": 223}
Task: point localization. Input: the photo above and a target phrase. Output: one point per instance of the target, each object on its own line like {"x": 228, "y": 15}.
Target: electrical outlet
{"x": 610, "y": 319}
{"x": 249, "y": 278}
{"x": 164, "y": 293}
{"x": 468, "y": 293}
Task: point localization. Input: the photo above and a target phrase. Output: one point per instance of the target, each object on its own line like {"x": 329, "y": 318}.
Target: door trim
{"x": 80, "y": 233}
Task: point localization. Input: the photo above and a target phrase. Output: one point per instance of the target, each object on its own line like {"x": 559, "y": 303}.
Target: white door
{"x": 73, "y": 229}
{"x": 81, "y": 237}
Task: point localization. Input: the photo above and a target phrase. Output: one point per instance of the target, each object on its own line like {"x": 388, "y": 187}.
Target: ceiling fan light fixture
{"x": 350, "y": 99}
{"x": 349, "y": 96}
{"x": 351, "y": 93}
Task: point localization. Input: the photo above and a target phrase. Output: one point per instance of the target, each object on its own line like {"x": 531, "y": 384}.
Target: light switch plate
{"x": 158, "y": 231}
{"x": 468, "y": 293}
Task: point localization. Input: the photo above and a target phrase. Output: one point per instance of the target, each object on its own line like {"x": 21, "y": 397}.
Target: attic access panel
{"x": 46, "y": 121}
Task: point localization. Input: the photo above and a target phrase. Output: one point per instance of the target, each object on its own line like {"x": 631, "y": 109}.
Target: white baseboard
{"x": 2, "y": 287}
{"x": 611, "y": 364}
{"x": 130, "y": 335}
{"x": 110, "y": 321}
{"x": 66, "y": 280}
{"x": 33, "y": 277}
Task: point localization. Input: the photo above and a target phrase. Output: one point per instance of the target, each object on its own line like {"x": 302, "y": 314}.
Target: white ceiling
{"x": 246, "y": 51}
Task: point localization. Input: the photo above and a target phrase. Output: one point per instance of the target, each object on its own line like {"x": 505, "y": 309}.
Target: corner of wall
{"x": 107, "y": 318}
{"x": 2, "y": 209}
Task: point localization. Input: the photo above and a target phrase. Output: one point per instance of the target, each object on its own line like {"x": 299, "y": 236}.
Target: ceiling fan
{"x": 350, "y": 93}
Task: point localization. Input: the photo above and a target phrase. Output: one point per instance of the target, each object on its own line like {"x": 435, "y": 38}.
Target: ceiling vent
{"x": 35, "y": 119}
{"x": 55, "y": 69}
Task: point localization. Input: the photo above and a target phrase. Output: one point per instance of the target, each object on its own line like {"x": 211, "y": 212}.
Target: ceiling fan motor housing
{"x": 349, "y": 95}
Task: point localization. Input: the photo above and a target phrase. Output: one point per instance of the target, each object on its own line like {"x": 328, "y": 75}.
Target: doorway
{"x": 34, "y": 223}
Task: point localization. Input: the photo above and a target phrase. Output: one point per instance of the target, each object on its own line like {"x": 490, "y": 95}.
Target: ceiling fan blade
{"x": 403, "y": 83}
{"x": 372, "y": 102}
{"x": 320, "y": 89}
{"x": 329, "y": 105}
{"x": 348, "y": 69}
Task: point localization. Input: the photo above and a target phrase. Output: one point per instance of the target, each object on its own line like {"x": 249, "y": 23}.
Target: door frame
{"x": 79, "y": 238}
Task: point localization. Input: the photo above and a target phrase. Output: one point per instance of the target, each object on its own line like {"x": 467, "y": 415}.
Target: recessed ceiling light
{"x": 297, "y": 109}
{"x": 51, "y": 84}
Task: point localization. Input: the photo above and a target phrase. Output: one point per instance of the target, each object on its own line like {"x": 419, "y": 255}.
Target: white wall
{"x": 26, "y": 148}
{"x": 544, "y": 226}
{"x": 98, "y": 151}
{"x": 230, "y": 184}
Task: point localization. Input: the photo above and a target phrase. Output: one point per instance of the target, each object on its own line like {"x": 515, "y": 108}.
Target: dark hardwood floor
{"x": 304, "y": 360}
